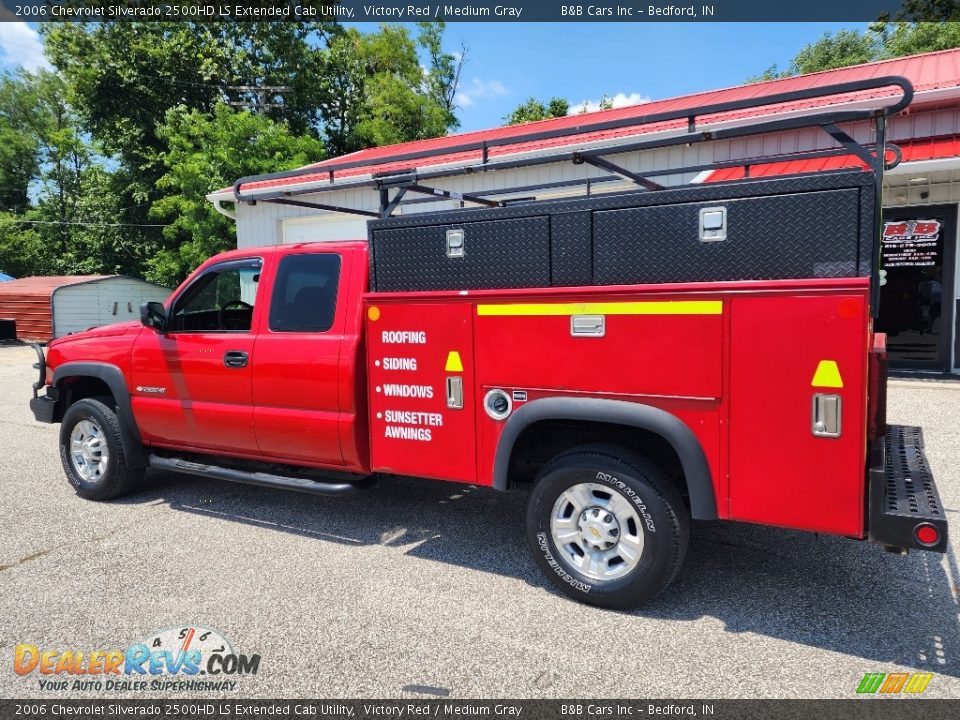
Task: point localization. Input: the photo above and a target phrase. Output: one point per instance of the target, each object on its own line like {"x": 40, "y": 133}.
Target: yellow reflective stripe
{"x": 653, "y": 307}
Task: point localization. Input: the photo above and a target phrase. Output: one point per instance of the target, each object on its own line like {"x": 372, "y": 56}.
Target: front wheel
{"x": 607, "y": 527}
{"x": 91, "y": 451}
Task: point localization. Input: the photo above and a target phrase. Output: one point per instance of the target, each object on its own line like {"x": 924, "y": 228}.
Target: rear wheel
{"x": 607, "y": 526}
{"x": 91, "y": 451}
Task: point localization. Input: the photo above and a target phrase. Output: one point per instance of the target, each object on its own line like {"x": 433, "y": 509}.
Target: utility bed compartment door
{"x": 414, "y": 351}
{"x": 785, "y": 351}
{"x": 493, "y": 254}
{"x": 799, "y": 235}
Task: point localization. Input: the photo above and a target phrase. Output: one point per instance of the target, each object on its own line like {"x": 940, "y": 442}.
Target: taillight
{"x": 926, "y": 534}
{"x": 877, "y": 388}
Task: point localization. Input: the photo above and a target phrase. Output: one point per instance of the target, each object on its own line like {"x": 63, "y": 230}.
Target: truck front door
{"x": 192, "y": 384}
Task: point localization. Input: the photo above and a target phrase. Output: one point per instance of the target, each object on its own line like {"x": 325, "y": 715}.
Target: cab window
{"x": 305, "y": 293}
{"x": 220, "y": 300}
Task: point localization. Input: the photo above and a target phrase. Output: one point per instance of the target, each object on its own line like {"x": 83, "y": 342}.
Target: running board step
{"x": 300, "y": 484}
{"x": 905, "y": 506}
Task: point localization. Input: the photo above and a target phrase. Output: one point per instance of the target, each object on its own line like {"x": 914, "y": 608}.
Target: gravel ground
{"x": 420, "y": 584}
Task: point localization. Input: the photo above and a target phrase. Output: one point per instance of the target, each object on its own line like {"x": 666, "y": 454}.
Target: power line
{"x": 78, "y": 222}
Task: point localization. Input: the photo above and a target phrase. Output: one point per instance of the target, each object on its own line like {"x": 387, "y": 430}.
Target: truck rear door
{"x": 420, "y": 378}
{"x": 296, "y": 404}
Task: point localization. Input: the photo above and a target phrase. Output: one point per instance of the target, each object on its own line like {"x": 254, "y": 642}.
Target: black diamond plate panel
{"x": 804, "y": 235}
{"x": 571, "y": 249}
{"x": 513, "y": 253}
{"x": 868, "y": 239}
{"x": 817, "y": 225}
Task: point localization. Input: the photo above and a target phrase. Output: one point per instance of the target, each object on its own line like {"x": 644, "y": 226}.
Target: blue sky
{"x": 508, "y": 63}
{"x": 631, "y": 62}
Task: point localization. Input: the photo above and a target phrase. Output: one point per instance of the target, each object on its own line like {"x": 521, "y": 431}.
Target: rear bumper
{"x": 904, "y": 503}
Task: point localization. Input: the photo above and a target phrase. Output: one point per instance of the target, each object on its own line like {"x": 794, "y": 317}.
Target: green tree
{"x": 23, "y": 252}
{"x": 532, "y": 110}
{"x": 75, "y": 211}
{"x": 206, "y": 151}
{"x": 18, "y": 149}
{"x": 442, "y": 74}
{"x": 847, "y": 47}
{"x": 123, "y": 77}
{"x": 380, "y": 91}
{"x": 880, "y": 41}
{"x": 903, "y": 38}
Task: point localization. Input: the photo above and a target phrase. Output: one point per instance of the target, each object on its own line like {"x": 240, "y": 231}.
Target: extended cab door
{"x": 192, "y": 384}
{"x": 297, "y": 377}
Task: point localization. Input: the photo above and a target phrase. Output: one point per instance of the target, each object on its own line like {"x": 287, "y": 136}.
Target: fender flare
{"x": 703, "y": 504}
{"x": 113, "y": 377}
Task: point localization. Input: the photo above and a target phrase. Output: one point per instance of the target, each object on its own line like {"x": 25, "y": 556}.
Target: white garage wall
{"x": 101, "y": 302}
{"x": 323, "y": 228}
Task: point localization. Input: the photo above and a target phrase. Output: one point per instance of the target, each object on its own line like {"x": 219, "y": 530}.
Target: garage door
{"x": 324, "y": 228}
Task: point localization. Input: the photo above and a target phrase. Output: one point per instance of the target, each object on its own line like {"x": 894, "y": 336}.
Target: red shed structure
{"x": 52, "y": 306}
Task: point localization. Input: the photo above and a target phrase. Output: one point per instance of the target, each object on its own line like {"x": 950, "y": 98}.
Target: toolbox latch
{"x": 713, "y": 224}
{"x": 455, "y": 243}
{"x": 455, "y": 392}
{"x": 826, "y": 415}
{"x": 587, "y": 325}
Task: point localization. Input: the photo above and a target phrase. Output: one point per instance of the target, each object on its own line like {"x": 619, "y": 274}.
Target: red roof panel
{"x": 929, "y": 71}
{"x": 935, "y": 148}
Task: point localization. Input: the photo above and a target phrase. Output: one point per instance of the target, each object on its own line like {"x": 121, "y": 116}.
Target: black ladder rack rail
{"x": 829, "y": 121}
{"x": 826, "y": 120}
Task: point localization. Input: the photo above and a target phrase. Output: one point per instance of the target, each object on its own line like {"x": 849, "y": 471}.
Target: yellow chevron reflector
{"x": 827, "y": 375}
{"x": 454, "y": 363}
{"x": 654, "y": 307}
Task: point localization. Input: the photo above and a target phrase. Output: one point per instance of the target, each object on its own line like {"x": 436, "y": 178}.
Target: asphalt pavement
{"x": 419, "y": 589}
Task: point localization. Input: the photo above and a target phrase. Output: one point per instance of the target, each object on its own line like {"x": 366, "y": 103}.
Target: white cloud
{"x": 20, "y": 45}
{"x": 479, "y": 89}
{"x": 619, "y": 100}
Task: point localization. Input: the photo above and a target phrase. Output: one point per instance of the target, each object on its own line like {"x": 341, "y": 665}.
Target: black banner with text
{"x": 478, "y": 11}
{"x": 192, "y": 709}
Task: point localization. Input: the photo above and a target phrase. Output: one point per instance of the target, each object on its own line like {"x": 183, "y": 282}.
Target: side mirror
{"x": 153, "y": 315}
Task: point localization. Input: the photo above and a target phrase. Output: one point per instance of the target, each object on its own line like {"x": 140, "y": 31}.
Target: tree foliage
{"x": 104, "y": 164}
{"x": 205, "y": 152}
{"x": 532, "y": 110}
{"x": 880, "y": 41}
{"x": 69, "y": 220}
{"x": 379, "y": 91}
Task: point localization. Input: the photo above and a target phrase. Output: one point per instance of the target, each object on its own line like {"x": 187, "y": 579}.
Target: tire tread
{"x": 123, "y": 478}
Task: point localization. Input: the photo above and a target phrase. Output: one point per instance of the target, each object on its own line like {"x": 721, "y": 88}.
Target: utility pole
{"x": 263, "y": 94}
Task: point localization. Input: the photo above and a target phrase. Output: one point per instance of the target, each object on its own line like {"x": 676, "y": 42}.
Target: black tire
{"x": 117, "y": 478}
{"x": 664, "y": 523}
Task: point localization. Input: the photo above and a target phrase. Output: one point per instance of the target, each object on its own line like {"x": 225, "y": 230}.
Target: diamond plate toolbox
{"x": 795, "y": 227}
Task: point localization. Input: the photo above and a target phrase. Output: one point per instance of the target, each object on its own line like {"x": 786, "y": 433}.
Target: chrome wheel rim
{"x": 89, "y": 453}
{"x": 597, "y": 531}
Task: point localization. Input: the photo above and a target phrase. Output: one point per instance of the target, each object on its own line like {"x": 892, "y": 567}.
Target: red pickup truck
{"x": 637, "y": 359}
